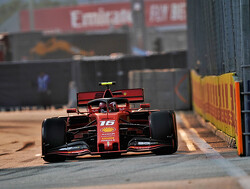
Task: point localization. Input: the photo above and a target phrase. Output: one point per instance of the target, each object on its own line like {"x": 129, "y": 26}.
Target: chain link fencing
{"x": 218, "y": 36}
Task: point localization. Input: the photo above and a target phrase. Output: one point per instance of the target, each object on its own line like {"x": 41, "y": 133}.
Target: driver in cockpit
{"x": 103, "y": 107}
{"x": 112, "y": 107}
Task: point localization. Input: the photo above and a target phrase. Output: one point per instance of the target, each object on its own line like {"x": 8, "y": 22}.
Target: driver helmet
{"x": 103, "y": 107}
{"x": 113, "y": 106}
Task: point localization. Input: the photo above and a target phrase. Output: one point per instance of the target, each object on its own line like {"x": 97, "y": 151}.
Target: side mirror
{"x": 144, "y": 105}
{"x": 71, "y": 110}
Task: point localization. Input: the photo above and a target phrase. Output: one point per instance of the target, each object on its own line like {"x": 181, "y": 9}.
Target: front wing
{"x": 136, "y": 144}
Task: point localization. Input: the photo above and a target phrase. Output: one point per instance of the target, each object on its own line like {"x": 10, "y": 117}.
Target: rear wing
{"x": 84, "y": 97}
{"x": 132, "y": 95}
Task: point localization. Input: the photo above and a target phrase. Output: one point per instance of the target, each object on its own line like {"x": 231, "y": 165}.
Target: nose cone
{"x": 108, "y": 132}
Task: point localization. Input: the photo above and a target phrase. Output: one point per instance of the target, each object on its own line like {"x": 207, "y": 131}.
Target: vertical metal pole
{"x": 139, "y": 30}
{"x": 246, "y": 93}
{"x": 31, "y": 15}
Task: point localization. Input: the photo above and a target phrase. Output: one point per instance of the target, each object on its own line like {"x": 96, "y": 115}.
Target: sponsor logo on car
{"x": 108, "y": 139}
{"x": 108, "y": 129}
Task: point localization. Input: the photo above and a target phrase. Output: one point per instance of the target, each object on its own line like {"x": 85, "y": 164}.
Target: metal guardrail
{"x": 246, "y": 110}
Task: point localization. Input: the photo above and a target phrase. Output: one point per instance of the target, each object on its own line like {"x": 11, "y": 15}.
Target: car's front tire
{"x": 53, "y": 135}
{"x": 163, "y": 128}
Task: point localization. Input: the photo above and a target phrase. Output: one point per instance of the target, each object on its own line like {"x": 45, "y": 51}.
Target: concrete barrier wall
{"x": 18, "y": 83}
{"x": 164, "y": 89}
{"x": 214, "y": 98}
{"x": 18, "y": 80}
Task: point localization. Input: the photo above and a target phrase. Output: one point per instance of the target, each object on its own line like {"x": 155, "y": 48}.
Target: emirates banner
{"x": 106, "y": 16}
{"x": 80, "y": 18}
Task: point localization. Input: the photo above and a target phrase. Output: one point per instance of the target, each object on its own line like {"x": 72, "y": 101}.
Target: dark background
{"x": 18, "y": 86}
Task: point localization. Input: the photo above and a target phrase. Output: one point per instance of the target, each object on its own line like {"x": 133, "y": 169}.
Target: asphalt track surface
{"x": 203, "y": 160}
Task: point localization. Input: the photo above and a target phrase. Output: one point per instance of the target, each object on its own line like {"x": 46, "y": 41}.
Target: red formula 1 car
{"x": 109, "y": 127}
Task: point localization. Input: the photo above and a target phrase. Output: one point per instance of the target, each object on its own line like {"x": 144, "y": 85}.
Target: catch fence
{"x": 218, "y": 43}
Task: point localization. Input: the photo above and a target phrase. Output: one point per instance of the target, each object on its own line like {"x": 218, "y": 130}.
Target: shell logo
{"x": 108, "y": 129}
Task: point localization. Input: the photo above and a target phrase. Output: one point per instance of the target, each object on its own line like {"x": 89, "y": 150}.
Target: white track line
{"x": 212, "y": 154}
{"x": 188, "y": 142}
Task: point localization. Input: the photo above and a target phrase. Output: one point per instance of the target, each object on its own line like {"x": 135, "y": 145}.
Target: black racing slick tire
{"x": 53, "y": 135}
{"x": 163, "y": 128}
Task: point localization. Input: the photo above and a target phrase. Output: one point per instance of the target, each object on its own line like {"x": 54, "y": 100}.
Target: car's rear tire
{"x": 162, "y": 127}
{"x": 53, "y": 135}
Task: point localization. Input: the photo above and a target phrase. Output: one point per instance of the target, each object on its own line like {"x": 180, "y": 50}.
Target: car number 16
{"x": 110, "y": 122}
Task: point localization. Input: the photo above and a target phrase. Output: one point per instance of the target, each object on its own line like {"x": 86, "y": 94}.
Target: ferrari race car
{"x": 109, "y": 125}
